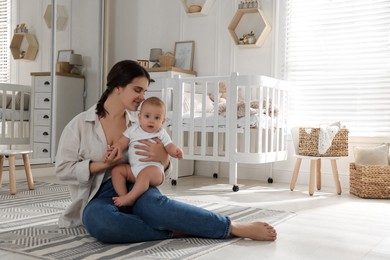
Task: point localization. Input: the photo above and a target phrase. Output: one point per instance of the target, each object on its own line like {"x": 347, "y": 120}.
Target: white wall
{"x": 80, "y": 35}
{"x": 137, "y": 26}
{"x": 147, "y": 26}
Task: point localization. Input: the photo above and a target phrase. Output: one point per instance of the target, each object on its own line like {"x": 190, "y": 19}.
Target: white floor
{"x": 326, "y": 225}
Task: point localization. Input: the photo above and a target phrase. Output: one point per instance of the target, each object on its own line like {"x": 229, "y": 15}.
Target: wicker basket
{"x": 369, "y": 181}
{"x": 166, "y": 60}
{"x": 308, "y": 143}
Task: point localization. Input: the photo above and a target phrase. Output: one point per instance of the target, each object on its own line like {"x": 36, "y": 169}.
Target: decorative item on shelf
{"x": 144, "y": 63}
{"x": 64, "y": 55}
{"x": 167, "y": 60}
{"x": 154, "y": 54}
{"x": 249, "y": 4}
{"x": 197, "y": 8}
{"x": 249, "y": 38}
{"x": 63, "y": 67}
{"x": 184, "y": 54}
{"x": 194, "y": 9}
{"x": 63, "y": 59}
{"x": 21, "y": 28}
{"x": 76, "y": 61}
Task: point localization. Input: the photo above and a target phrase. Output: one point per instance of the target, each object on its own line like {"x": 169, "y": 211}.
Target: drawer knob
{"x": 45, "y": 133}
{"x": 45, "y": 116}
{"x": 45, "y": 151}
{"x": 46, "y": 83}
{"x": 46, "y": 100}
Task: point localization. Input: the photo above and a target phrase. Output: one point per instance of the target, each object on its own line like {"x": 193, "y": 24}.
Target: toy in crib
{"x": 254, "y": 104}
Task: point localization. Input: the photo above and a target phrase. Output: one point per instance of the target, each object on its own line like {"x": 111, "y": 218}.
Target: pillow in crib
{"x": 197, "y": 103}
{"x": 377, "y": 155}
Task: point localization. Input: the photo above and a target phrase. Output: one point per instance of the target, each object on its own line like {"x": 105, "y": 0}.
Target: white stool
{"x": 11, "y": 160}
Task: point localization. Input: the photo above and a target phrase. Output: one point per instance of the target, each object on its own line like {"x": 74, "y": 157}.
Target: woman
{"x": 79, "y": 163}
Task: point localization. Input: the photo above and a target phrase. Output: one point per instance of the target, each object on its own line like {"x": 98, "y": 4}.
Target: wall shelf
{"x": 205, "y": 4}
{"x": 61, "y": 20}
{"x": 19, "y": 51}
{"x": 247, "y": 20}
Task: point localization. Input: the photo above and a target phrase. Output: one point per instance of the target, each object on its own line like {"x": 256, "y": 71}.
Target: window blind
{"x": 5, "y": 35}
{"x": 337, "y": 56}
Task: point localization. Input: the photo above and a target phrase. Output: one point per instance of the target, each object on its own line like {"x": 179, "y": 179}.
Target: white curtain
{"x": 337, "y": 56}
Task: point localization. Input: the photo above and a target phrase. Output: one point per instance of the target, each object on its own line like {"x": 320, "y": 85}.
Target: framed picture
{"x": 64, "y": 55}
{"x": 184, "y": 54}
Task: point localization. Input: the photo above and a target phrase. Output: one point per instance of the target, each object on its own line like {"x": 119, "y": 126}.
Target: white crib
{"x": 206, "y": 132}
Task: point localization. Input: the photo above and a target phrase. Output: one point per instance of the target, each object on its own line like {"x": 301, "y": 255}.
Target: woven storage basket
{"x": 308, "y": 143}
{"x": 166, "y": 60}
{"x": 369, "y": 181}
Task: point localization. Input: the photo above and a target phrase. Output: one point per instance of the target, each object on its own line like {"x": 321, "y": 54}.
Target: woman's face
{"x": 134, "y": 93}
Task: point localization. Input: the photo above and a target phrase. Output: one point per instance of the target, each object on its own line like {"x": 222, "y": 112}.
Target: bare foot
{"x": 260, "y": 231}
{"x": 123, "y": 201}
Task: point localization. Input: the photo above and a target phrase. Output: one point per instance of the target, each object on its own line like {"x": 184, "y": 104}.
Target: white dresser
{"x": 186, "y": 167}
{"x": 52, "y": 108}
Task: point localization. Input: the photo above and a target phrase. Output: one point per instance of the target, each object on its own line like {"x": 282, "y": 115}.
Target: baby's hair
{"x": 154, "y": 101}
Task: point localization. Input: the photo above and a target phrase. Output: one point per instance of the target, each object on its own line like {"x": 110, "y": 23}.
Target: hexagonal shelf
{"x": 18, "y": 49}
{"x": 62, "y": 17}
{"x": 205, "y": 6}
{"x": 247, "y": 20}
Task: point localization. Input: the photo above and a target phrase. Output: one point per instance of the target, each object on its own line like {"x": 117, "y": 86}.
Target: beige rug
{"x": 28, "y": 225}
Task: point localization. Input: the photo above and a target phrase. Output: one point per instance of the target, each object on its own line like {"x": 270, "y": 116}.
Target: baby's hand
{"x": 110, "y": 154}
{"x": 179, "y": 153}
{"x": 107, "y": 154}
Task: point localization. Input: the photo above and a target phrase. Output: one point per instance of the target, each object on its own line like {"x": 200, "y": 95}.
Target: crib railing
{"x": 14, "y": 114}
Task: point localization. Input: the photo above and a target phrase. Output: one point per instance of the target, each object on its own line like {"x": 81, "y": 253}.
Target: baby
{"x": 143, "y": 174}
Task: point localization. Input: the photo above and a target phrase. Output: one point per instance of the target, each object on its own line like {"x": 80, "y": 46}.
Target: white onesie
{"x": 136, "y": 133}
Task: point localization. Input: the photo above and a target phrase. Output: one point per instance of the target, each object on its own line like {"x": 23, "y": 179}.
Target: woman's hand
{"x": 152, "y": 151}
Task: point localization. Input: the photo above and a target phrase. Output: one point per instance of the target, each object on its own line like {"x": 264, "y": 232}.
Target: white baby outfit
{"x": 136, "y": 133}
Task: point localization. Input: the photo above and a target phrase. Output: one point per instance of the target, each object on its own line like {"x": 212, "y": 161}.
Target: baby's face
{"x": 151, "y": 118}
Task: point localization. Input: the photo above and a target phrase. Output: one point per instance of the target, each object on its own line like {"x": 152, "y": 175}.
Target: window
{"x": 5, "y": 35}
{"x": 337, "y": 56}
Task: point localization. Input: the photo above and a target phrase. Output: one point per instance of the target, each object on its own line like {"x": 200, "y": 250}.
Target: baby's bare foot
{"x": 255, "y": 230}
{"x": 122, "y": 201}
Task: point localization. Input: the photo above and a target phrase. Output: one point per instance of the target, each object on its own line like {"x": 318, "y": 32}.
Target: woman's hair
{"x": 120, "y": 75}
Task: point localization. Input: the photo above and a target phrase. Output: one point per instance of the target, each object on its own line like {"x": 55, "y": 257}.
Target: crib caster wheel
{"x": 173, "y": 182}
{"x": 215, "y": 175}
{"x": 235, "y": 188}
{"x": 270, "y": 180}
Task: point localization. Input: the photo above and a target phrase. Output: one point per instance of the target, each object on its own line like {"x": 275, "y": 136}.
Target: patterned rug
{"x": 28, "y": 225}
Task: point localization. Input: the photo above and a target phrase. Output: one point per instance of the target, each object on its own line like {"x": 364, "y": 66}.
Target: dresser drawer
{"x": 42, "y": 117}
{"x": 41, "y": 134}
{"x": 42, "y": 100}
{"x": 42, "y": 84}
{"x": 41, "y": 150}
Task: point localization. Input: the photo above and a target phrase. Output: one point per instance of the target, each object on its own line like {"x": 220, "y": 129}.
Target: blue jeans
{"x": 153, "y": 217}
